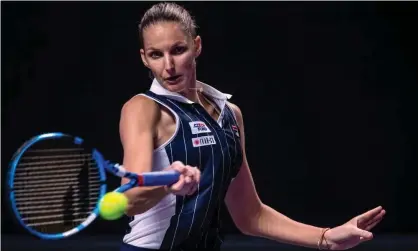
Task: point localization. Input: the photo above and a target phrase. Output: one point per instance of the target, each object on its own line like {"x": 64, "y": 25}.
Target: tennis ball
{"x": 113, "y": 205}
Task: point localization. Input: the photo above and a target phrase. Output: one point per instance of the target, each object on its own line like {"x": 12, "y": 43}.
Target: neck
{"x": 191, "y": 91}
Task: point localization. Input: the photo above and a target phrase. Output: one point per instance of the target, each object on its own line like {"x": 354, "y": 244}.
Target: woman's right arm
{"x": 138, "y": 129}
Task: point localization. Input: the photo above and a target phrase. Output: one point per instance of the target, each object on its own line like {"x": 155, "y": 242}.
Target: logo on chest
{"x": 203, "y": 141}
{"x": 198, "y": 127}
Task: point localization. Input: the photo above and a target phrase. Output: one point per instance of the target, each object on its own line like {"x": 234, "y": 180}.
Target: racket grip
{"x": 159, "y": 178}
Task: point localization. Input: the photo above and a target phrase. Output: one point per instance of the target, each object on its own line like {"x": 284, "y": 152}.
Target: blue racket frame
{"x": 159, "y": 178}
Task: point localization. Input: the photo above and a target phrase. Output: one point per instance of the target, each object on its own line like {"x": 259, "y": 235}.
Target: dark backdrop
{"x": 328, "y": 92}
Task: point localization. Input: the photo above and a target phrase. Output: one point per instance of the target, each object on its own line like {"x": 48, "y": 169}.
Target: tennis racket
{"x": 56, "y": 181}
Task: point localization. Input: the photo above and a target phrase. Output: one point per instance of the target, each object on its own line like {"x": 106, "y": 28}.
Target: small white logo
{"x": 198, "y": 127}
{"x": 203, "y": 141}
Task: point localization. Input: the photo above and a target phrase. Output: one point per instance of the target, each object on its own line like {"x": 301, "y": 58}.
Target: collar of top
{"x": 218, "y": 97}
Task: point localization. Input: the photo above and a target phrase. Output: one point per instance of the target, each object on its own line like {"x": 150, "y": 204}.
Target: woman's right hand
{"x": 188, "y": 181}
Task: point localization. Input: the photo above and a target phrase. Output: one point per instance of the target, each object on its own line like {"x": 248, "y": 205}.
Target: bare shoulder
{"x": 140, "y": 105}
{"x": 141, "y": 111}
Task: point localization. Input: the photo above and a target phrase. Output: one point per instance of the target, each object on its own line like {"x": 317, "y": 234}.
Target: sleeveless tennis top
{"x": 191, "y": 222}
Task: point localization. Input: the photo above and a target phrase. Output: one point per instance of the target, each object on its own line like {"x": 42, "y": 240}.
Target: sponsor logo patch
{"x": 235, "y": 129}
{"x": 198, "y": 127}
{"x": 203, "y": 141}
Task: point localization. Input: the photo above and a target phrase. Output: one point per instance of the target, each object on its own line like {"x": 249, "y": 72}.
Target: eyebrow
{"x": 175, "y": 44}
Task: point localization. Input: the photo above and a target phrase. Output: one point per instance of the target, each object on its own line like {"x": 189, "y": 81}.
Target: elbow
{"x": 247, "y": 226}
{"x": 132, "y": 211}
{"x": 135, "y": 205}
{"x": 140, "y": 200}
{"x": 137, "y": 208}
{"x": 246, "y": 229}
{"x": 247, "y": 222}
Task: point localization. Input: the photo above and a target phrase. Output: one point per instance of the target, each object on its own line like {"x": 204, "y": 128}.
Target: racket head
{"x": 59, "y": 188}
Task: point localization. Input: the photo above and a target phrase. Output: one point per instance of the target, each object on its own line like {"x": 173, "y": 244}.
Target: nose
{"x": 169, "y": 63}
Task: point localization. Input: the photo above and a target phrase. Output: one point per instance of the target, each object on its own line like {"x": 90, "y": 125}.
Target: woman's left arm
{"x": 254, "y": 218}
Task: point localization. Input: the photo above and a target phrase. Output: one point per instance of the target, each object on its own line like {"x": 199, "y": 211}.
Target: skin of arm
{"x": 137, "y": 129}
{"x": 254, "y": 218}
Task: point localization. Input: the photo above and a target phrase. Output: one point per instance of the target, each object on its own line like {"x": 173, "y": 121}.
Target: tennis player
{"x": 181, "y": 123}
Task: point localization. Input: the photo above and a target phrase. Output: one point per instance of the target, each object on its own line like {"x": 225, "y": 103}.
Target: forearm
{"x": 275, "y": 226}
{"x": 143, "y": 198}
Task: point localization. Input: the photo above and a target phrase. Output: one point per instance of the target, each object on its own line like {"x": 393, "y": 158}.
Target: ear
{"x": 142, "y": 52}
{"x": 198, "y": 45}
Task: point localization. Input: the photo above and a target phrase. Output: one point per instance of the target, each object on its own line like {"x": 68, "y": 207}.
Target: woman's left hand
{"x": 354, "y": 231}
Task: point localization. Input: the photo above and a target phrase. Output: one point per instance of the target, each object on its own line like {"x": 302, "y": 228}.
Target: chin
{"x": 178, "y": 87}
{"x": 175, "y": 88}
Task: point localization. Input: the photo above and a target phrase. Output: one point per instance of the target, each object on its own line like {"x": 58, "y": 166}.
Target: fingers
{"x": 185, "y": 169}
{"x": 194, "y": 187}
{"x": 188, "y": 181}
{"x": 370, "y": 215}
{"x": 178, "y": 185}
{"x": 193, "y": 177}
{"x": 179, "y": 167}
{"x": 373, "y": 224}
{"x": 189, "y": 173}
{"x": 198, "y": 175}
{"x": 197, "y": 179}
{"x": 375, "y": 219}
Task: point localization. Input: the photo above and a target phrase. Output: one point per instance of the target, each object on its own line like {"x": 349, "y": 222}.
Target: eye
{"x": 179, "y": 50}
{"x": 155, "y": 54}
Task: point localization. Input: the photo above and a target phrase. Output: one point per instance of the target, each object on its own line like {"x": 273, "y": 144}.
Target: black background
{"x": 328, "y": 91}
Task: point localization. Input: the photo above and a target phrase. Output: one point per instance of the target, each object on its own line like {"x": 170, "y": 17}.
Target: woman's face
{"x": 170, "y": 54}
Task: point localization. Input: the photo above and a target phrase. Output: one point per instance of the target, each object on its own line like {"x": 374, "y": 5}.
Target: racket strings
{"x": 52, "y": 170}
{"x": 21, "y": 183}
{"x": 35, "y": 197}
{"x": 56, "y": 186}
{"x": 28, "y": 180}
{"x": 47, "y": 187}
{"x": 56, "y": 161}
{"x": 47, "y": 193}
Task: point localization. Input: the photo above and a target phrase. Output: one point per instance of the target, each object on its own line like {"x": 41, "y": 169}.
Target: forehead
{"x": 163, "y": 34}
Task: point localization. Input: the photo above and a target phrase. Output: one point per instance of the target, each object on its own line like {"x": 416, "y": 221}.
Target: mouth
{"x": 173, "y": 79}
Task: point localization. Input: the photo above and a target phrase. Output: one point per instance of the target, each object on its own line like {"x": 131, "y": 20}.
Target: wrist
{"x": 323, "y": 243}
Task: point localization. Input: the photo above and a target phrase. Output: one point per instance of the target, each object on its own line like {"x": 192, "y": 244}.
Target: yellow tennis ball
{"x": 113, "y": 205}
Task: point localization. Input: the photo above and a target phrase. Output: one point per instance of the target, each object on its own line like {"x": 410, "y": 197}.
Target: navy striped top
{"x": 191, "y": 222}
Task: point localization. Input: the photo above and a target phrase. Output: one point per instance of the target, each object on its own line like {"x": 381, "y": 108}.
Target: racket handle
{"x": 159, "y": 178}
